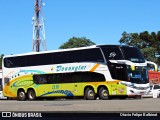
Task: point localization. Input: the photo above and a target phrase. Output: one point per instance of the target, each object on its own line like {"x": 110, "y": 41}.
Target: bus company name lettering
{"x": 70, "y": 68}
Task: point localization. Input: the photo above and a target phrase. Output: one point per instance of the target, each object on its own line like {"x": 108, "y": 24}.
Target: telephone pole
{"x": 38, "y": 28}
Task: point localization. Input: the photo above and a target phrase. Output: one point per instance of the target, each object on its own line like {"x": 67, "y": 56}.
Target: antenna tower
{"x": 38, "y": 28}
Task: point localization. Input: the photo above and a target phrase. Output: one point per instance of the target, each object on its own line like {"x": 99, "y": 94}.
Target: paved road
{"x": 144, "y": 104}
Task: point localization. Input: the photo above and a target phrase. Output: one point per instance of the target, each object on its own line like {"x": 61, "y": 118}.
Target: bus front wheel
{"x": 103, "y": 93}
{"x": 31, "y": 95}
{"x": 21, "y": 95}
{"x": 90, "y": 94}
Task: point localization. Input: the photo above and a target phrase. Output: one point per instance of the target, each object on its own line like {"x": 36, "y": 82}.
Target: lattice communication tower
{"x": 38, "y": 28}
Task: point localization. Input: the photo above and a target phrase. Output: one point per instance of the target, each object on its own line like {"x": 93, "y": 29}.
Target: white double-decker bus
{"x": 102, "y": 71}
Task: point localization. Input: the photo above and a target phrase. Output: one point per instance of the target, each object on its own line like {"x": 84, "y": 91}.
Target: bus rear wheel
{"x": 21, "y": 95}
{"x": 31, "y": 95}
{"x": 103, "y": 93}
{"x": 90, "y": 94}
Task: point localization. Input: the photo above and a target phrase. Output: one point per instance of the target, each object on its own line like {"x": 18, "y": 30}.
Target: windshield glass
{"x": 112, "y": 52}
{"x": 139, "y": 75}
{"x": 132, "y": 54}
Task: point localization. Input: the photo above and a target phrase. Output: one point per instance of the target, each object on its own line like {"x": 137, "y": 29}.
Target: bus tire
{"x": 31, "y": 95}
{"x": 90, "y": 94}
{"x": 103, "y": 93}
{"x": 21, "y": 95}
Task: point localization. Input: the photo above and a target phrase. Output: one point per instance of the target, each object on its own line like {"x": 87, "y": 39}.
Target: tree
{"x": 149, "y": 54}
{"x": 1, "y": 56}
{"x": 132, "y": 39}
{"x": 75, "y": 42}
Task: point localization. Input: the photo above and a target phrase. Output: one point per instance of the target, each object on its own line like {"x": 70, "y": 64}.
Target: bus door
{"x": 76, "y": 83}
{"x": 78, "y": 91}
{"x": 119, "y": 73}
{"x": 122, "y": 76}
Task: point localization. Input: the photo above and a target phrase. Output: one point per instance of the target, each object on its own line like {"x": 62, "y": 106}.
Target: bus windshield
{"x": 132, "y": 54}
{"x": 139, "y": 75}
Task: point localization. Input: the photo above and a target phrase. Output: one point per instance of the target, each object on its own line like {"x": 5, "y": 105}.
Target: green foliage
{"x": 75, "y": 42}
{"x": 148, "y": 43}
{"x": 149, "y": 53}
{"x": 1, "y": 56}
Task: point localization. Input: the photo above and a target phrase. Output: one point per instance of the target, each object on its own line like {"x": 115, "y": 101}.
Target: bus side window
{"x": 94, "y": 55}
{"x": 8, "y": 62}
{"x": 98, "y": 77}
{"x": 69, "y": 78}
{"x": 62, "y": 78}
{"x": 40, "y": 79}
{"x": 6, "y": 80}
{"x": 112, "y": 70}
{"x": 77, "y": 77}
{"x": 118, "y": 71}
{"x": 49, "y": 79}
{"x": 56, "y": 78}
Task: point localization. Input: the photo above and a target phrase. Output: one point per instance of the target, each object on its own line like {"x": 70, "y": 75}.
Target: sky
{"x": 101, "y": 21}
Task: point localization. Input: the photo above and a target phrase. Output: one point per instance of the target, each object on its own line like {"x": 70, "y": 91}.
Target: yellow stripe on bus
{"x": 94, "y": 68}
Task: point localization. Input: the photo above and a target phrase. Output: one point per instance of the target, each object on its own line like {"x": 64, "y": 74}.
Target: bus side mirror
{"x": 155, "y": 69}
{"x": 152, "y": 66}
